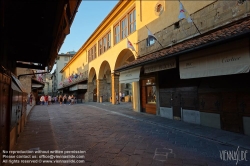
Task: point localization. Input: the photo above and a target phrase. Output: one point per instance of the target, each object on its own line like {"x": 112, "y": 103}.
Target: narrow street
{"x": 115, "y": 135}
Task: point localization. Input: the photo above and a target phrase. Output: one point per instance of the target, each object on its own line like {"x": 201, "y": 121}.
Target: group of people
{"x": 48, "y": 100}
{"x": 71, "y": 99}
{"x": 121, "y": 97}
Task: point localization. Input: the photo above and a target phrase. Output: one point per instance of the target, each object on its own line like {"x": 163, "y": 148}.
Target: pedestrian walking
{"x": 64, "y": 99}
{"x": 123, "y": 97}
{"x": 60, "y": 99}
{"x": 117, "y": 99}
{"x": 42, "y": 100}
{"x": 69, "y": 99}
{"x": 31, "y": 97}
{"x": 46, "y": 100}
{"x": 72, "y": 100}
{"x": 120, "y": 95}
{"x": 49, "y": 100}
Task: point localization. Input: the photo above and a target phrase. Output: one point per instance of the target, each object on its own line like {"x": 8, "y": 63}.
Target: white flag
{"x": 129, "y": 45}
{"x": 151, "y": 36}
{"x": 184, "y": 14}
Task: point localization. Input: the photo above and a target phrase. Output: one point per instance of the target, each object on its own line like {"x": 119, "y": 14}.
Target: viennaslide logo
{"x": 234, "y": 155}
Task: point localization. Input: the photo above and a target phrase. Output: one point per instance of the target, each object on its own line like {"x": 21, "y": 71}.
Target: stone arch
{"x": 124, "y": 57}
{"x": 92, "y": 74}
{"x": 92, "y": 87}
{"x": 104, "y": 82}
{"x": 105, "y": 70}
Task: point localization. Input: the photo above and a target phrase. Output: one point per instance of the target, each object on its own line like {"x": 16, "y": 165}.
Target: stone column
{"x": 115, "y": 86}
{"x": 100, "y": 87}
{"x": 136, "y": 96}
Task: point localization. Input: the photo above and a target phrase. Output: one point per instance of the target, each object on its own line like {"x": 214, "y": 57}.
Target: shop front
{"x": 224, "y": 91}
{"x": 148, "y": 95}
{"x": 128, "y": 86}
{"x": 149, "y": 85}
{"x": 210, "y": 87}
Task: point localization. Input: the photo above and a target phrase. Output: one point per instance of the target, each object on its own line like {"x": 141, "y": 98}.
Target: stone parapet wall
{"x": 215, "y": 15}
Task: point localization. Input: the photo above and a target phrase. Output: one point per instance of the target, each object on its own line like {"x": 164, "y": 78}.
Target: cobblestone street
{"x": 115, "y": 135}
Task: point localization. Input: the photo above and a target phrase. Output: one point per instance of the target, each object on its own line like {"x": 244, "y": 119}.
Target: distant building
{"x": 48, "y": 84}
{"x": 57, "y": 77}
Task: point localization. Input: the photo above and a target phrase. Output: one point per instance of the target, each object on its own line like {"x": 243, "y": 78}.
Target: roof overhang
{"x": 35, "y": 29}
{"x": 35, "y": 84}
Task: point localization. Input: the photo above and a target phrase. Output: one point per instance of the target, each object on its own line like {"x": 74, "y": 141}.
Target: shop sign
{"x": 130, "y": 76}
{"x": 229, "y": 62}
{"x": 168, "y": 64}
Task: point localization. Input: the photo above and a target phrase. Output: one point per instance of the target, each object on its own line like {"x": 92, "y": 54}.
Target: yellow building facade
{"x": 106, "y": 49}
{"x": 194, "y": 71}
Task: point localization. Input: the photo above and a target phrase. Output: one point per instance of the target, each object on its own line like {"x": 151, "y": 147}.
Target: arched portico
{"x": 104, "y": 82}
{"x": 92, "y": 86}
{"x": 123, "y": 58}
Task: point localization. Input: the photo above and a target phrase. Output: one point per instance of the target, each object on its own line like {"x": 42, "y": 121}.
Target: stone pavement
{"x": 220, "y": 136}
{"x": 116, "y": 135}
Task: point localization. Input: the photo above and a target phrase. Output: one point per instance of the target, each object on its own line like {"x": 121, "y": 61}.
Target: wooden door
{"x": 176, "y": 105}
{"x": 231, "y": 119}
{"x": 166, "y": 97}
{"x": 143, "y": 98}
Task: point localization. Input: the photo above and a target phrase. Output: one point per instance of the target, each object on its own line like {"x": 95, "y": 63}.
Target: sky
{"x": 89, "y": 16}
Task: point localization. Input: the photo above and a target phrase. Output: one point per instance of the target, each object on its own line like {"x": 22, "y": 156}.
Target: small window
{"x": 176, "y": 25}
{"x": 117, "y": 33}
{"x": 159, "y": 8}
{"x": 92, "y": 53}
{"x": 132, "y": 22}
{"x": 66, "y": 58}
{"x": 100, "y": 47}
{"x": 104, "y": 41}
{"x": 124, "y": 28}
{"x": 108, "y": 40}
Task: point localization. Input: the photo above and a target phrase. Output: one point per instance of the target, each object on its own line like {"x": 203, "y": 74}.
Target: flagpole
{"x": 135, "y": 51}
{"x": 156, "y": 39}
{"x": 196, "y": 27}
